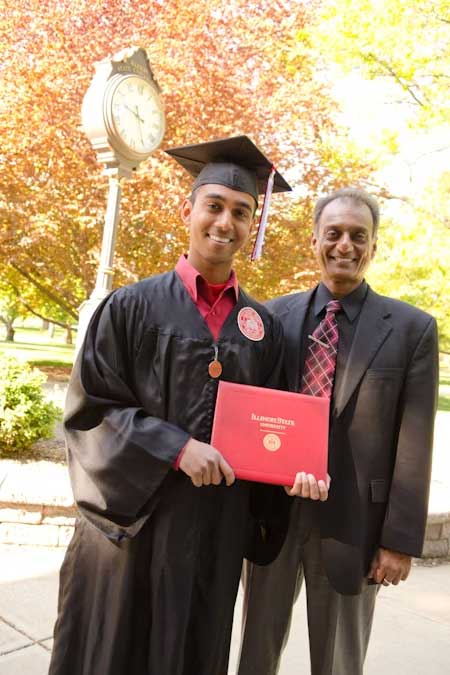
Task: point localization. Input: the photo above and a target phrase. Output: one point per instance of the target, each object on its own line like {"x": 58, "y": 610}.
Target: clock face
{"x": 137, "y": 114}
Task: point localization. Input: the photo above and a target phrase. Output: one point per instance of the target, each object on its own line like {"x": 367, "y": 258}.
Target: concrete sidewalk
{"x": 411, "y": 630}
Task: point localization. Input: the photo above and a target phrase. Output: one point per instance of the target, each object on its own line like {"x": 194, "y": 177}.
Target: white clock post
{"x": 123, "y": 118}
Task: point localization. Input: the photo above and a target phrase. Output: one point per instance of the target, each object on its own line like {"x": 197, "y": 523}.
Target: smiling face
{"x": 219, "y": 220}
{"x": 344, "y": 245}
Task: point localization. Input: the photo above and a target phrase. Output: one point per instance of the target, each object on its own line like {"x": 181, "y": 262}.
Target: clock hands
{"x": 139, "y": 119}
{"x": 133, "y": 112}
{"x": 140, "y": 122}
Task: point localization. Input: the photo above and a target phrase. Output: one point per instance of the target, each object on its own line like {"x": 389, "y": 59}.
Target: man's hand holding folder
{"x": 308, "y": 487}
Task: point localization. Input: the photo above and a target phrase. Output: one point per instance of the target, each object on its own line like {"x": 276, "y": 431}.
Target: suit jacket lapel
{"x": 293, "y": 318}
{"x": 374, "y": 326}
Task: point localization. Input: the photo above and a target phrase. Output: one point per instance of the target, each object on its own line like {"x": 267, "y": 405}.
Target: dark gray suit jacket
{"x": 381, "y": 433}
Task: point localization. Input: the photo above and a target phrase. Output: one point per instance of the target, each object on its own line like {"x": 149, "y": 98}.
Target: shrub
{"x": 25, "y": 415}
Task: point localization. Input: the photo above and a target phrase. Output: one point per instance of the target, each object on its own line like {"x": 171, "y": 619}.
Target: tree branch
{"x": 54, "y": 298}
{"x": 41, "y": 316}
{"x": 396, "y": 77}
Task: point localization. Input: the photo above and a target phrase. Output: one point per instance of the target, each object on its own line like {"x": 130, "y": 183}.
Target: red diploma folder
{"x": 268, "y": 435}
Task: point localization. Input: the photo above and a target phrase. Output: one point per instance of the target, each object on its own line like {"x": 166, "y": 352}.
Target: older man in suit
{"x": 383, "y": 384}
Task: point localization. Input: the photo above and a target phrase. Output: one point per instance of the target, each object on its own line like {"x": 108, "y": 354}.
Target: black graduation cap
{"x": 237, "y": 163}
{"x": 234, "y": 162}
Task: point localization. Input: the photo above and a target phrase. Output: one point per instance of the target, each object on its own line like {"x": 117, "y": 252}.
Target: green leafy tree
{"x": 410, "y": 265}
{"x": 405, "y": 42}
{"x": 19, "y": 297}
{"x": 402, "y": 46}
{"x": 10, "y": 309}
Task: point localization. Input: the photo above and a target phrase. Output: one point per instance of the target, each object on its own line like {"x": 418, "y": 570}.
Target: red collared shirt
{"x": 213, "y": 301}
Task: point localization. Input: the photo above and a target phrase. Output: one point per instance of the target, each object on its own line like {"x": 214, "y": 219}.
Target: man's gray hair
{"x": 357, "y": 195}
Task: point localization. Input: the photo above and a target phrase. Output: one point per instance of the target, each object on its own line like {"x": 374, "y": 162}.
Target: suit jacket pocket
{"x": 379, "y": 490}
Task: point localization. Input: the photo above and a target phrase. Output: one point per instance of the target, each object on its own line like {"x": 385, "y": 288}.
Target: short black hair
{"x": 354, "y": 194}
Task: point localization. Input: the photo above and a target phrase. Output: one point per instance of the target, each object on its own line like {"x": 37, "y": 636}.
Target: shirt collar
{"x": 191, "y": 278}
{"x": 351, "y": 303}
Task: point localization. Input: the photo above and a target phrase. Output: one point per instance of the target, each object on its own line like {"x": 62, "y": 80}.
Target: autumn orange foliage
{"x": 224, "y": 68}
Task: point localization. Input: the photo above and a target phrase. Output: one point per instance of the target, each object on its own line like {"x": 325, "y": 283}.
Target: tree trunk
{"x": 50, "y": 329}
{"x": 9, "y": 332}
{"x": 45, "y": 324}
{"x": 69, "y": 340}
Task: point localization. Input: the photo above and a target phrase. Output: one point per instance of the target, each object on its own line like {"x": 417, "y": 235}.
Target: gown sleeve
{"x": 119, "y": 453}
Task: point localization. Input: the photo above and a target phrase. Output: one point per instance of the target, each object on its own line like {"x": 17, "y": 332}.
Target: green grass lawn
{"x": 35, "y": 346}
{"x": 444, "y": 382}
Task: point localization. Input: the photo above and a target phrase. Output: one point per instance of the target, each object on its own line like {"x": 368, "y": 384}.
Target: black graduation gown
{"x": 149, "y": 581}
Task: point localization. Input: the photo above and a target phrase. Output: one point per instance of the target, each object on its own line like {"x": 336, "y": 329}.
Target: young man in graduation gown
{"x": 150, "y": 577}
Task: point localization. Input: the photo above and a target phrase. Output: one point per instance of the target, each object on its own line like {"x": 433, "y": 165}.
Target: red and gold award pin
{"x": 250, "y": 324}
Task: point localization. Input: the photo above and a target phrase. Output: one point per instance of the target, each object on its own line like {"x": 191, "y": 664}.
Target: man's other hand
{"x": 205, "y": 465}
{"x": 389, "y": 567}
{"x": 308, "y": 487}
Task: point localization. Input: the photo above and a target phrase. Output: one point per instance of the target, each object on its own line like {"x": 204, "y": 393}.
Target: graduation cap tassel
{"x": 259, "y": 241}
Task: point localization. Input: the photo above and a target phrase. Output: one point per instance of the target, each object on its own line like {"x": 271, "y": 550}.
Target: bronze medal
{"x": 215, "y": 368}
